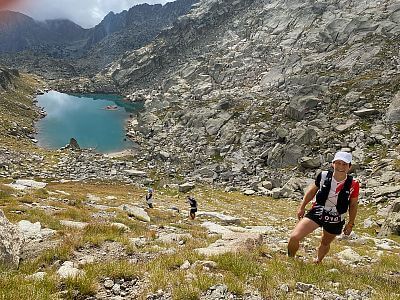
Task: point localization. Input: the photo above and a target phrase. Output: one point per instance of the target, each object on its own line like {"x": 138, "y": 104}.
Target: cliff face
{"x": 141, "y": 19}
{"x": 131, "y": 29}
{"x": 7, "y": 78}
{"x": 244, "y": 87}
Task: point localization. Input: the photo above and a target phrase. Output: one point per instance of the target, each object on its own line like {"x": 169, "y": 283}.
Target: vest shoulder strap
{"x": 328, "y": 177}
{"x": 348, "y": 182}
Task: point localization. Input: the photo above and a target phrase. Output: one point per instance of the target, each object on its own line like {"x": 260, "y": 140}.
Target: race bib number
{"x": 329, "y": 217}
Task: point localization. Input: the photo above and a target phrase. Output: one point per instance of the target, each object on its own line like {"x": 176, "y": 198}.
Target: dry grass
{"x": 262, "y": 269}
{"x": 14, "y": 286}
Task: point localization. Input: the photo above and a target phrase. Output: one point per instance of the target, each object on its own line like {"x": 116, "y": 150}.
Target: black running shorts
{"x": 332, "y": 228}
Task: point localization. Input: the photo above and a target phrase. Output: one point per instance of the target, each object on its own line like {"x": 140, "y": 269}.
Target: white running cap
{"x": 344, "y": 156}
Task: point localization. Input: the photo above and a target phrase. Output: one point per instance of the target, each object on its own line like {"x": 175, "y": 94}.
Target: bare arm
{"x": 352, "y": 215}
{"x": 308, "y": 196}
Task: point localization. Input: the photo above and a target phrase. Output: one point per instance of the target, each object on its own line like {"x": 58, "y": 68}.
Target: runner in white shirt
{"x": 329, "y": 208}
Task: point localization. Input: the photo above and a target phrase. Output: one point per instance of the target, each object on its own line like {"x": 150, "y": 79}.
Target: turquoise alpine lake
{"x": 94, "y": 120}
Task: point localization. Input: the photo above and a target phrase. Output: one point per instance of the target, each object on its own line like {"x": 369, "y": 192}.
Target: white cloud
{"x": 86, "y": 13}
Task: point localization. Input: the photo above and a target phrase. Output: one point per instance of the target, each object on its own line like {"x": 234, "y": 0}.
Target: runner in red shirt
{"x": 335, "y": 194}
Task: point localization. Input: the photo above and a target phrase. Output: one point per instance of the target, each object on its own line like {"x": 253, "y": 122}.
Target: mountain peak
{"x": 9, "y": 18}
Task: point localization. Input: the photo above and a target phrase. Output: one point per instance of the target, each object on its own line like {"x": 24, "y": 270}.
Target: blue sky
{"x": 86, "y": 13}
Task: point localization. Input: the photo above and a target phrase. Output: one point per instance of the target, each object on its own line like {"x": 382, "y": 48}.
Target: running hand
{"x": 300, "y": 213}
{"x": 347, "y": 229}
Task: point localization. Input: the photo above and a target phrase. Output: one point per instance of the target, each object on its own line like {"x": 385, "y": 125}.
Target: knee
{"x": 295, "y": 237}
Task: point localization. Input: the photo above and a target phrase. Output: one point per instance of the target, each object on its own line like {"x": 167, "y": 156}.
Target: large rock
{"x": 391, "y": 225}
{"x": 22, "y": 184}
{"x": 366, "y": 112}
{"x": 349, "y": 256}
{"x": 392, "y": 222}
{"x": 232, "y": 242}
{"x": 299, "y": 106}
{"x": 386, "y": 190}
{"x": 216, "y": 228}
{"x": 186, "y": 187}
{"x": 219, "y": 291}
{"x": 204, "y": 172}
{"x": 174, "y": 237}
{"x": 215, "y": 123}
{"x": 284, "y": 155}
{"x": 34, "y": 231}
{"x": 310, "y": 162}
{"x": 343, "y": 127}
{"x": 68, "y": 270}
{"x": 306, "y": 136}
{"x": 10, "y": 242}
{"x": 291, "y": 155}
{"x": 73, "y": 144}
{"x": 273, "y": 77}
{"x": 224, "y": 218}
{"x": 393, "y": 113}
{"x": 74, "y": 224}
{"x": 295, "y": 184}
{"x": 136, "y": 212}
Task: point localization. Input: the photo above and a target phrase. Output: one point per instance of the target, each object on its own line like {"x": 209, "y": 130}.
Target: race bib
{"x": 331, "y": 217}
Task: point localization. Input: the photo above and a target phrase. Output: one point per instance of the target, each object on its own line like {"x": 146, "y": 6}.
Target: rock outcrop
{"x": 393, "y": 113}
{"x": 10, "y": 242}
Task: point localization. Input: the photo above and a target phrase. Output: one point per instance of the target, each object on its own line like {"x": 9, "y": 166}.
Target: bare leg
{"x": 302, "y": 229}
{"x": 325, "y": 245}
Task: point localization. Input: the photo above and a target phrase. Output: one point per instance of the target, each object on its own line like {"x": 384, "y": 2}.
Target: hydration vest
{"x": 192, "y": 202}
{"x": 343, "y": 200}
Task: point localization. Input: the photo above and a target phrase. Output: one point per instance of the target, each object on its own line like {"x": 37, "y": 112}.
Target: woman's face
{"x": 341, "y": 167}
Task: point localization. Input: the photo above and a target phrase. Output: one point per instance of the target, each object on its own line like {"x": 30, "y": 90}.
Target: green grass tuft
{"x": 18, "y": 287}
{"x": 242, "y": 265}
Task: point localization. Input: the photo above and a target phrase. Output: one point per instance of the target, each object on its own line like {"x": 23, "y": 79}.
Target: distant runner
{"x": 335, "y": 194}
{"x": 193, "y": 206}
{"x": 149, "y": 197}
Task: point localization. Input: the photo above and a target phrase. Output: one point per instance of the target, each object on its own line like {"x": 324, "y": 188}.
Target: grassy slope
{"x": 14, "y": 106}
{"x": 263, "y": 268}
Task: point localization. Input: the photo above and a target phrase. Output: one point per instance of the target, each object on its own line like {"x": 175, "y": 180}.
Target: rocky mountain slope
{"x": 60, "y": 48}
{"x": 238, "y": 89}
{"x": 142, "y": 20}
